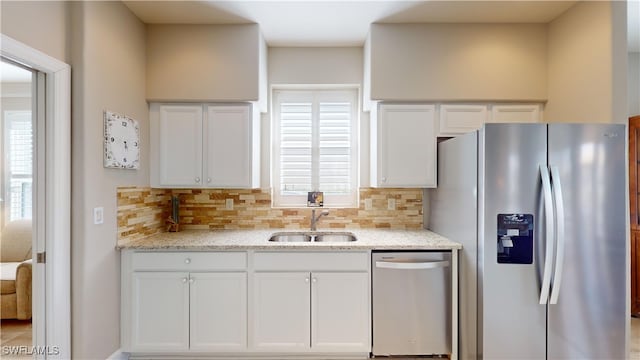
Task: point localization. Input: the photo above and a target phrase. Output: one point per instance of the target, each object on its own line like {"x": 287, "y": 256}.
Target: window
{"x": 19, "y": 156}
{"x": 315, "y": 147}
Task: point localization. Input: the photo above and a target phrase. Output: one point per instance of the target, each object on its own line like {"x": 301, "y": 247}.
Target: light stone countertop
{"x": 367, "y": 239}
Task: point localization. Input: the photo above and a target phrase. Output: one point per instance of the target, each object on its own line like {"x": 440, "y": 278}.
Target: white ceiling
{"x": 340, "y": 23}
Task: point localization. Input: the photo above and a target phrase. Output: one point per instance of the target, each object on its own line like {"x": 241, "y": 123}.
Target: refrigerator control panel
{"x": 515, "y": 239}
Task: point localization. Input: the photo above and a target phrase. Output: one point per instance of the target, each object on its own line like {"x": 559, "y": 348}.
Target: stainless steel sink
{"x": 335, "y": 237}
{"x": 290, "y": 237}
{"x": 312, "y": 236}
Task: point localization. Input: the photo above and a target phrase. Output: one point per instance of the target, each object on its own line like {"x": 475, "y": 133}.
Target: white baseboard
{"x": 119, "y": 355}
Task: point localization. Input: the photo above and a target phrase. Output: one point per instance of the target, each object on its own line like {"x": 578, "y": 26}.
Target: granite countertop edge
{"x": 217, "y": 240}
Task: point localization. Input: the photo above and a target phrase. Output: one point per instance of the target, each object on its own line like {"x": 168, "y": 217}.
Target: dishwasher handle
{"x": 412, "y": 265}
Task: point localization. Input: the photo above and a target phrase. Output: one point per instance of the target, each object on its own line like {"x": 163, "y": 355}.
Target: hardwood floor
{"x": 15, "y": 333}
{"x": 634, "y": 339}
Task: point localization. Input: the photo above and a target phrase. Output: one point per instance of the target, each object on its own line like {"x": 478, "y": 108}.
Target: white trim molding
{"x": 57, "y": 190}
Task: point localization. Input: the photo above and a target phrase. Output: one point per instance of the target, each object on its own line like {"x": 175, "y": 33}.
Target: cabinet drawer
{"x": 189, "y": 261}
{"x": 311, "y": 261}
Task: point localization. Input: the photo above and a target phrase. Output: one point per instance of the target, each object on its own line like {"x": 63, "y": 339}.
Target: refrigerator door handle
{"x": 560, "y": 225}
{"x": 550, "y": 243}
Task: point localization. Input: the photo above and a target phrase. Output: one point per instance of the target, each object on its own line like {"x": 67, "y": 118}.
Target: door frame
{"x": 57, "y": 198}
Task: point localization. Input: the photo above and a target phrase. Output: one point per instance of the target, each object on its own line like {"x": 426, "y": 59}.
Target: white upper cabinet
{"x": 403, "y": 146}
{"x": 516, "y": 113}
{"x": 179, "y": 141}
{"x": 459, "y": 119}
{"x": 211, "y": 146}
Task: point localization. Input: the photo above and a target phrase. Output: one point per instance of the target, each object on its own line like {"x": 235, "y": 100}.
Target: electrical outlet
{"x": 98, "y": 215}
{"x": 368, "y": 204}
{"x": 228, "y": 204}
{"x": 391, "y": 204}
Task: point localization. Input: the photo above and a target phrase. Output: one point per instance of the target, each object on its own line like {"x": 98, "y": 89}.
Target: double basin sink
{"x": 310, "y": 236}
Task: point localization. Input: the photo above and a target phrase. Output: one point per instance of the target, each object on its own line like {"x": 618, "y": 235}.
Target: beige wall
{"x": 108, "y": 63}
{"x": 634, "y": 84}
{"x": 203, "y": 62}
{"x": 582, "y": 83}
{"x": 40, "y": 24}
{"x": 458, "y": 62}
{"x": 315, "y": 66}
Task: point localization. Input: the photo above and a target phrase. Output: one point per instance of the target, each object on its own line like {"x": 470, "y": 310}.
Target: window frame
{"x": 317, "y": 94}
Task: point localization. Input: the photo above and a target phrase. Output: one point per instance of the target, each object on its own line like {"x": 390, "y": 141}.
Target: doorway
{"x": 50, "y": 192}
{"x": 19, "y": 168}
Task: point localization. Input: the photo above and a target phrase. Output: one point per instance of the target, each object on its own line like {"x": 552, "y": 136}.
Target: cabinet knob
{"x": 306, "y": 280}
{"x": 315, "y": 280}
{"x": 198, "y": 180}
{"x": 184, "y": 280}
{"x": 191, "y": 280}
{"x": 187, "y": 261}
{"x": 384, "y": 179}
{"x": 208, "y": 180}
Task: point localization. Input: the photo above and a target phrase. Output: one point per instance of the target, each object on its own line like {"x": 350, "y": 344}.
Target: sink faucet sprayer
{"x": 314, "y": 218}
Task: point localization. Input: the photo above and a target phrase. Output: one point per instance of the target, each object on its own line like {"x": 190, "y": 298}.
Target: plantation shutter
{"x": 315, "y": 147}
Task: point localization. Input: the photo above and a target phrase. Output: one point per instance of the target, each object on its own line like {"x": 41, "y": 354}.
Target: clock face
{"x": 121, "y": 142}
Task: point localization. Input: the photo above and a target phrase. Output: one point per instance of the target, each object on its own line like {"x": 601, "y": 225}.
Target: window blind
{"x": 315, "y": 147}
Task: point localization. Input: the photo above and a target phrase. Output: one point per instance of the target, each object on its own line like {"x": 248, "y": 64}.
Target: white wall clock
{"x": 121, "y": 142}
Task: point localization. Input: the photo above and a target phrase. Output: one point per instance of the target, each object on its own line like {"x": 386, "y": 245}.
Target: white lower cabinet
{"x": 340, "y": 311}
{"x": 281, "y": 312}
{"x": 160, "y": 308}
{"x": 218, "y": 311}
{"x": 256, "y": 304}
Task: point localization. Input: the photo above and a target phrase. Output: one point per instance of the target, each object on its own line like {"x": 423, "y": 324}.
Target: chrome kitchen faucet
{"x": 314, "y": 219}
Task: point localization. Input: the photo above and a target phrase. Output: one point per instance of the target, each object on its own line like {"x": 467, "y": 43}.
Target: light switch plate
{"x": 98, "y": 215}
{"x": 228, "y": 204}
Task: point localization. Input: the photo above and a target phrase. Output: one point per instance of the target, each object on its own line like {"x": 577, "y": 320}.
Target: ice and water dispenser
{"x": 515, "y": 239}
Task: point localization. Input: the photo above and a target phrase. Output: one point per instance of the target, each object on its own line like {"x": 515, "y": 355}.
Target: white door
{"x": 228, "y": 146}
{"x": 406, "y": 146}
{"x": 160, "y": 311}
{"x": 281, "y": 311}
{"x": 340, "y": 316}
{"x": 218, "y": 311}
{"x": 180, "y": 145}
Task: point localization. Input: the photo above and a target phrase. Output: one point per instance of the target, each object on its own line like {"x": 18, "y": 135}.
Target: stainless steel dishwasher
{"x": 411, "y": 303}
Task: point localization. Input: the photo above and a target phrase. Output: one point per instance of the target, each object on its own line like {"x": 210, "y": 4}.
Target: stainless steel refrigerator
{"x": 541, "y": 212}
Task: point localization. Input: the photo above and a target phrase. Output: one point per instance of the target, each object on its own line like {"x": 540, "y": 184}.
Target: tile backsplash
{"x": 142, "y": 211}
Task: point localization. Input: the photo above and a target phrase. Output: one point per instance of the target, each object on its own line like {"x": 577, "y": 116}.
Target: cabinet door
{"x": 229, "y": 135}
{"x": 406, "y": 146}
{"x": 340, "y": 312}
{"x": 180, "y": 145}
{"x": 281, "y": 311}
{"x": 160, "y": 311}
{"x": 218, "y": 311}
{"x": 523, "y": 113}
{"x": 458, "y": 119}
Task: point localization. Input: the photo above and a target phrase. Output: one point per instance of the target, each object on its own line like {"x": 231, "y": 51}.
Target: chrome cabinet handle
{"x": 208, "y": 180}
{"x": 306, "y": 280}
{"x": 184, "y": 280}
{"x": 198, "y": 180}
{"x": 187, "y": 261}
{"x": 315, "y": 280}
{"x": 191, "y": 280}
{"x": 384, "y": 179}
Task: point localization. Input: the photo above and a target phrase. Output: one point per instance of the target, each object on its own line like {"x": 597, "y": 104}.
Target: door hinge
{"x": 41, "y": 257}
